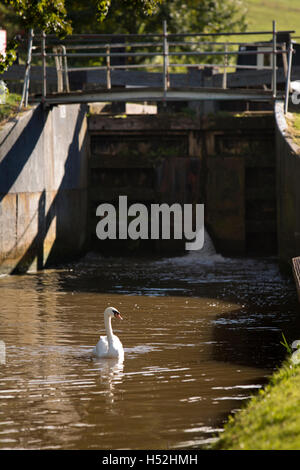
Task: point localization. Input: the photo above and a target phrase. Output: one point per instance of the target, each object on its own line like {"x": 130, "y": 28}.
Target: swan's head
{"x": 112, "y": 313}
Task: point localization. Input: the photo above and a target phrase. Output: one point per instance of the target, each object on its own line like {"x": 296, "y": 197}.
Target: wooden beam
{"x": 156, "y": 94}
{"x": 154, "y": 79}
{"x": 296, "y": 272}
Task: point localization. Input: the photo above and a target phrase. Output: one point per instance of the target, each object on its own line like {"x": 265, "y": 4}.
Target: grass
{"x": 271, "y": 419}
{"x": 293, "y": 122}
{"x": 10, "y": 108}
{"x": 261, "y": 13}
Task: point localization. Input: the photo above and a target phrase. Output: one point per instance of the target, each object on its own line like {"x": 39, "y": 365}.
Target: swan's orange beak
{"x": 118, "y": 315}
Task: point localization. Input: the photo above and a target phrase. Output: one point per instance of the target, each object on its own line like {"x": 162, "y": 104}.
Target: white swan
{"x": 109, "y": 346}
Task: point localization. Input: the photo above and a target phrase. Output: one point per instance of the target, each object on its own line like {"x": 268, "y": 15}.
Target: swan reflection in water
{"x": 110, "y": 375}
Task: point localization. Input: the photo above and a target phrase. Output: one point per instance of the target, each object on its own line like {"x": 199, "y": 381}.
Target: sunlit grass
{"x": 262, "y": 13}
{"x": 9, "y": 108}
{"x": 270, "y": 420}
{"x": 293, "y": 121}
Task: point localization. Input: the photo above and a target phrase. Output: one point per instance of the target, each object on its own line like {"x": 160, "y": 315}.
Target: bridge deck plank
{"x": 156, "y": 94}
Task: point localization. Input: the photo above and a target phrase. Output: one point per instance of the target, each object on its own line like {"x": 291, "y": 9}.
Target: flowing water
{"x": 201, "y": 334}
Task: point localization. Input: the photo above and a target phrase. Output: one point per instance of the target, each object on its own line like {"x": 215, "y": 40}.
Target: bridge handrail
{"x": 61, "y": 50}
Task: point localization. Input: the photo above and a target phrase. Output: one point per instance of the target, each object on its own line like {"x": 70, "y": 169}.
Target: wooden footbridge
{"x": 157, "y": 67}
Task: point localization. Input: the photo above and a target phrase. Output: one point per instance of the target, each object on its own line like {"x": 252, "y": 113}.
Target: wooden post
{"x": 44, "y": 66}
{"x": 58, "y": 66}
{"x": 108, "y": 75}
{"x": 65, "y": 66}
{"x": 166, "y": 58}
{"x": 288, "y": 78}
{"x": 296, "y": 273}
{"x": 25, "y": 92}
{"x": 225, "y": 68}
{"x": 284, "y": 59}
{"x": 274, "y": 78}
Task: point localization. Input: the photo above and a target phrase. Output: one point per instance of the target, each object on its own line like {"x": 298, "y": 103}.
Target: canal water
{"x": 201, "y": 334}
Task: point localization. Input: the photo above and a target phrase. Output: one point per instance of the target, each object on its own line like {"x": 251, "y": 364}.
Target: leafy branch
{"x": 9, "y": 58}
{"x": 47, "y": 15}
{"x": 149, "y": 7}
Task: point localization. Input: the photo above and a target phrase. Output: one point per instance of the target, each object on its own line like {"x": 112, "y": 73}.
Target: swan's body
{"x": 109, "y": 346}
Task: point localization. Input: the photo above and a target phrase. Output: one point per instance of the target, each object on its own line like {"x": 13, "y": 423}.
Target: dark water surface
{"x": 200, "y": 336}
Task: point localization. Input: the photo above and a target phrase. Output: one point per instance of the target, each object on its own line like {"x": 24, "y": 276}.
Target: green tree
{"x": 124, "y": 16}
{"x": 148, "y": 7}
{"x": 46, "y": 15}
{"x": 51, "y": 16}
{"x": 127, "y": 16}
{"x": 121, "y": 16}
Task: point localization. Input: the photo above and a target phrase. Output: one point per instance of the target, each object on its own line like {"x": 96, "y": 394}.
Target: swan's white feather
{"x": 109, "y": 349}
{"x": 102, "y": 348}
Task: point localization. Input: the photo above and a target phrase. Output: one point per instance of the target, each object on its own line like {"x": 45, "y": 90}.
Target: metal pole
{"x": 288, "y": 78}
{"x": 64, "y": 51}
{"x": 225, "y": 68}
{"x": 166, "y": 58}
{"x": 108, "y": 76}
{"x": 31, "y": 34}
{"x": 58, "y": 65}
{"x": 274, "y": 78}
{"x": 44, "y": 67}
{"x": 284, "y": 59}
{"x": 25, "y": 92}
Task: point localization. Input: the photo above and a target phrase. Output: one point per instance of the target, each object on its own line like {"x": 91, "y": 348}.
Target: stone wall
{"x": 43, "y": 187}
{"x": 288, "y": 190}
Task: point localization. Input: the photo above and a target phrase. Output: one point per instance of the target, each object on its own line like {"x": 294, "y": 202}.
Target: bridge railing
{"x": 165, "y": 52}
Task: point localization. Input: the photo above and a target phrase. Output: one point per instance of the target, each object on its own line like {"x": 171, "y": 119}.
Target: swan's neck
{"x": 108, "y": 328}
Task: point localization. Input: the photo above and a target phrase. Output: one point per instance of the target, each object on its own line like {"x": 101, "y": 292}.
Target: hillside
{"x": 261, "y": 13}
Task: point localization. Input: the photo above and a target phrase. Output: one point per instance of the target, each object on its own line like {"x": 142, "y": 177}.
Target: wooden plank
{"x": 154, "y": 94}
{"x": 260, "y": 226}
{"x": 157, "y": 123}
{"x": 141, "y": 91}
{"x": 16, "y": 72}
{"x": 143, "y": 78}
{"x": 225, "y": 202}
{"x": 265, "y": 193}
{"x": 248, "y": 78}
{"x": 194, "y": 78}
{"x": 111, "y": 161}
{"x": 266, "y": 160}
{"x": 296, "y": 272}
{"x": 112, "y": 194}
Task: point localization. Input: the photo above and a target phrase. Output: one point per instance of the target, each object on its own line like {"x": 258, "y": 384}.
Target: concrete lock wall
{"x": 288, "y": 190}
{"x": 43, "y": 187}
